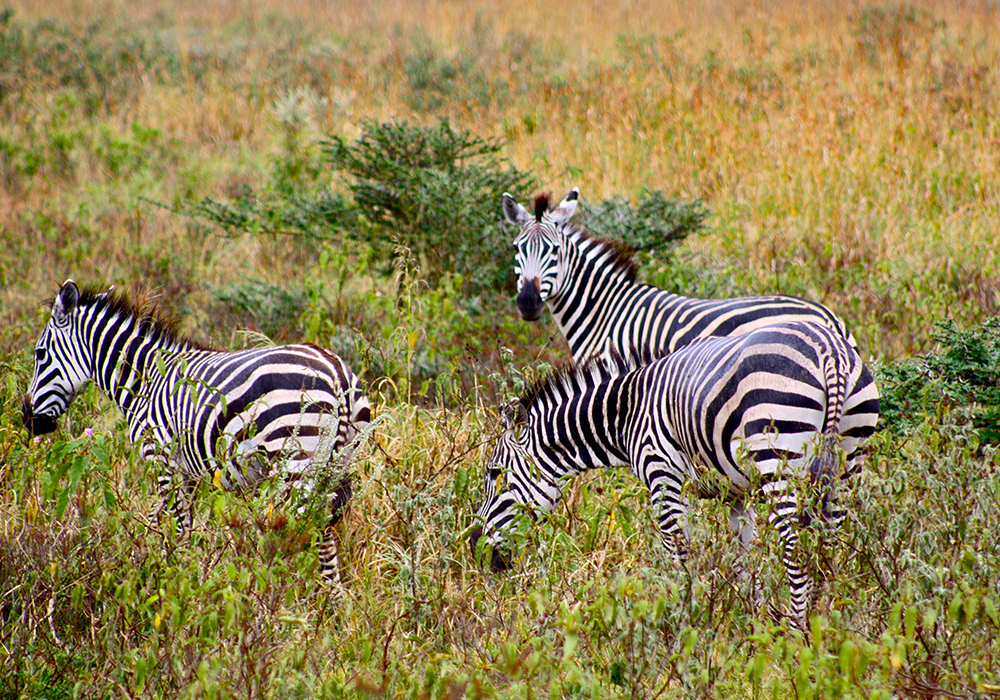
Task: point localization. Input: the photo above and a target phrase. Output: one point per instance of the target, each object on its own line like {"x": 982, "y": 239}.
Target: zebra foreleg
{"x": 176, "y": 501}
{"x": 181, "y": 506}
{"x": 665, "y": 492}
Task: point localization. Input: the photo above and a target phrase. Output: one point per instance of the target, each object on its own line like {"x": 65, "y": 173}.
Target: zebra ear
{"x": 514, "y": 416}
{"x": 514, "y": 212}
{"x": 565, "y": 210}
{"x": 66, "y": 301}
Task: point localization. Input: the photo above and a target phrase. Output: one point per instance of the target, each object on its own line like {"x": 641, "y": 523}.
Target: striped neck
{"x": 578, "y": 421}
{"x": 123, "y": 347}
{"x": 593, "y": 273}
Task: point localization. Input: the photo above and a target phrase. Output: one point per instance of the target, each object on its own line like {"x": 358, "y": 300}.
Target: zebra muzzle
{"x": 37, "y": 424}
{"x": 529, "y": 300}
{"x": 500, "y": 561}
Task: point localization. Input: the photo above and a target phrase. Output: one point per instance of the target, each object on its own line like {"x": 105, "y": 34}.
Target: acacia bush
{"x": 430, "y": 194}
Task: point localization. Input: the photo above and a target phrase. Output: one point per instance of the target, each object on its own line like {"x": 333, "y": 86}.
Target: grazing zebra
{"x": 792, "y": 396}
{"x": 197, "y": 412}
{"x": 590, "y": 285}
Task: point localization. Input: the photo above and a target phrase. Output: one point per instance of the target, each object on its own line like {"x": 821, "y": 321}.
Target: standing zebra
{"x": 590, "y": 285}
{"x": 197, "y": 412}
{"x": 793, "y": 396}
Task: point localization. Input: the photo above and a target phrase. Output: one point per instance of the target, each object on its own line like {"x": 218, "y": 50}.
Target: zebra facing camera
{"x": 529, "y": 301}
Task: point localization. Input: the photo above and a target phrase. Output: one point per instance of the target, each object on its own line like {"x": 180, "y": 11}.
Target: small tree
{"x": 653, "y": 222}
{"x": 434, "y": 191}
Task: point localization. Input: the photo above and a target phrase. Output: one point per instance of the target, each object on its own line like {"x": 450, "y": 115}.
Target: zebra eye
{"x": 39, "y": 354}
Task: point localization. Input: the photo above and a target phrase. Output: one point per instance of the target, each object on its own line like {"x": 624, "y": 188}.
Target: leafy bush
{"x": 266, "y": 307}
{"x": 962, "y": 375}
{"x": 434, "y": 191}
{"x": 653, "y": 222}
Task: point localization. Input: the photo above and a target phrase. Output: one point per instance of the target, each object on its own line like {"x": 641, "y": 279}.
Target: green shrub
{"x": 434, "y": 191}
{"x": 652, "y": 223}
{"x": 431, "y": 191}
{"x": 962, "y": 375}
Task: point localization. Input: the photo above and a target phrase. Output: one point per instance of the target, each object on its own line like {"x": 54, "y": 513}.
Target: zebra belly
{"x": 289, "y": 433}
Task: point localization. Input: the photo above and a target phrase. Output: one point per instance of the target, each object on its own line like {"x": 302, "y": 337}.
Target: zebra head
{"x": 536, "y": 262}
{"x": 511, "y": 483}
{"x": 61, "y": 369}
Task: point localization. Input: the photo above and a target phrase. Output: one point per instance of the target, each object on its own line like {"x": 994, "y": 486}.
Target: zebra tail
{"x": 823, "y": 468}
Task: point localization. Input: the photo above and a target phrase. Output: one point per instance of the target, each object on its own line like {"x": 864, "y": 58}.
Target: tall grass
{"x": 847, "y": 152}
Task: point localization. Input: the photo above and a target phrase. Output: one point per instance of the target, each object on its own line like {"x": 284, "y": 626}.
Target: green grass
{"x": 846, "y": 155}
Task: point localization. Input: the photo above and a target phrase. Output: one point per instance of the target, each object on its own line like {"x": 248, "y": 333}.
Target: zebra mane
{"x": 568, "y": 379}
{"x": 154, "y": 321}
{"x": 542, "y": 203}
{"x": 621, "y": 255}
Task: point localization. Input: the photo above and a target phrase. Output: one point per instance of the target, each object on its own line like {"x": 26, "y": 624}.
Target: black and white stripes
{"x": 236, "y": 417}
{"x": 590, "y": 285}
{"x": 791, "y": 396}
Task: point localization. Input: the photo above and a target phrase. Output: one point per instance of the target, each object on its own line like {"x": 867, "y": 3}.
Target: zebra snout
{"x": 37, "y": 424}
{"x": 500, "y": 561}
{"x": 529, "y": 301}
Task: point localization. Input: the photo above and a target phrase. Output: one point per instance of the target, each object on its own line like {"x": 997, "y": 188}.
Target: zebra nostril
{"x": 529, "y": 301}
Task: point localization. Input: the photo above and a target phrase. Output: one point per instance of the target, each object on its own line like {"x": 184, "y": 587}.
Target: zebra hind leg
{"x": 785, "y": 519}
{"x": 329, "y": 552}
{"x": 329, "y": 556}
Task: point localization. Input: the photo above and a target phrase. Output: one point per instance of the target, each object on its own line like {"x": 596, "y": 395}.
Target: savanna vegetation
{"x": 268, "y": 171}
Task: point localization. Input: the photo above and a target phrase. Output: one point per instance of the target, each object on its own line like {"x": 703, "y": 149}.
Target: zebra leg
{"x": 329, "y": 553}
{"x": 176, "y": 501}
{"x": 785, "y": 518}
{"x": 665, "y": 484}
{"x": 742, "y": 522}
{"x": 182, "y": 505}
{"x": 329, "y": 557}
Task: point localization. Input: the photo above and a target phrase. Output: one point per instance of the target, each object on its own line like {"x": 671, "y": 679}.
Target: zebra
{"x": 233, "y": 417}
{"x": 590, "y": 285}
{"x": 777, "y": 412}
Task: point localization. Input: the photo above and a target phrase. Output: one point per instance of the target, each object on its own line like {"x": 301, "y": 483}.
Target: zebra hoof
{"x": 500, "y": 561}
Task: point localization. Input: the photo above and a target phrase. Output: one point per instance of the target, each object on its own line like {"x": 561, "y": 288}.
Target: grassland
{"x": 847, "y": 152}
